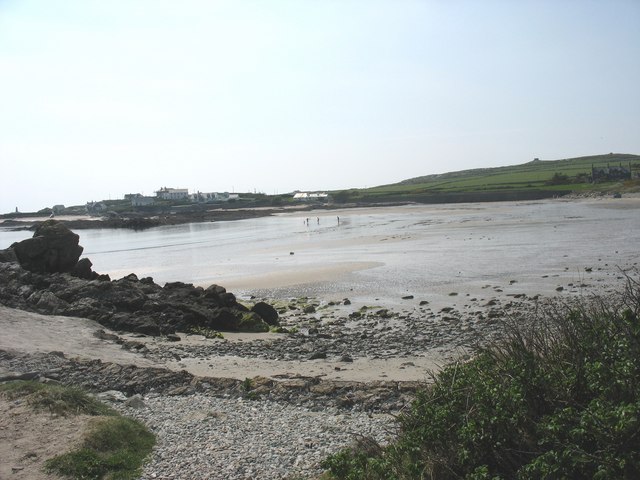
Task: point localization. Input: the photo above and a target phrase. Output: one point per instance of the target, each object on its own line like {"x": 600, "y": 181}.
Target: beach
{"x": 373, "y": 304}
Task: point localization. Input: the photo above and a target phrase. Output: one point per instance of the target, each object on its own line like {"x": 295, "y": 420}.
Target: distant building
{"x": 226, "y": 196}
{"x": 139, "y": 200}
{"x": 58, "y": 209}
{"x": 610, "y": 174}
{"x": 210, "y": 197}
{"x": 311, "y": 196}
{"x": 173, "y": 193}
{"x": 142, "y": 201}
{"x": 96, "y": 208}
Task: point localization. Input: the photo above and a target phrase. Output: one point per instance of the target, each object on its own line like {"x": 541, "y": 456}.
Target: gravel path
{"x": 247, "y": 439}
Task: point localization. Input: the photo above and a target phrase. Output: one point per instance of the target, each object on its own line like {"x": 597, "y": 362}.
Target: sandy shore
{"x": 34, "y": 333}
{"x": 293, "y": 276}
{"x": 459, "y": 257}
{"x": 29, "y": 332}
{"x": 421, "y": 332}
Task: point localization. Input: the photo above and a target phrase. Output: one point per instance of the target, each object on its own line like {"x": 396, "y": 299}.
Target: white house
{"x": 226, "y": 196}
{"x": 311, "y": 196}
{"x": 173, "y": 193}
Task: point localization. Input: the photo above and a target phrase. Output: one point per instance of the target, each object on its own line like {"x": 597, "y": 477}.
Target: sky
{"x": 103, "y": 98}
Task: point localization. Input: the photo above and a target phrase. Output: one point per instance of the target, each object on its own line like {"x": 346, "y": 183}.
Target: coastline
{"x": 349, "y": 367}
{"x": 212, "y": 395}
{"x": 140, "y": 220}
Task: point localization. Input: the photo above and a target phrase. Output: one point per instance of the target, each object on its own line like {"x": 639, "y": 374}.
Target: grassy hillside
{"x": 535, "y": 179}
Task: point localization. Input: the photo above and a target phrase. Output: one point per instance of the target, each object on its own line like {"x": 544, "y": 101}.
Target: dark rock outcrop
{"x": 267, "y": 312}
{"x": 53, "y": 248}
{"x": 314, "y": 393}
{"x": 45, "y": 276}
{"x": 82, "y": 269}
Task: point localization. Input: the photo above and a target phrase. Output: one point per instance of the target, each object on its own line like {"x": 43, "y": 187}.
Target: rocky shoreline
{"x": 313, "y": 393}
{"x": 45, "y": 274}
{"x": 137, "y": 221}
{"x": 263, "y": 427}
{"x": 144, "y": 220}
{"x": 225, "y": 428}
{"x": 216, "y": 422}
{"x": 259, "y": 427}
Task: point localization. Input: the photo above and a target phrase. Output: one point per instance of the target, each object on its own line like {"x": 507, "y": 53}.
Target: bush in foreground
{"x": 559, "y": 398}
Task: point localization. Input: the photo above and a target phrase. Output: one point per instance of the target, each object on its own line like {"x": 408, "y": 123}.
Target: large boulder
{"x": 52, "y": 249}
{"x": 220, "y": 296}
{"x": 82, "y": 269}
{"x": 267, "y": 313}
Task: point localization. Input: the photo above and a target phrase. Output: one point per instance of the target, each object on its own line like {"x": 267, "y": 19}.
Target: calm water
{"x": 381, "y": 253}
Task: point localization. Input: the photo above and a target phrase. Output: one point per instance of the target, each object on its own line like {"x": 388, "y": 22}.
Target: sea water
{"x": 381, "y": 252}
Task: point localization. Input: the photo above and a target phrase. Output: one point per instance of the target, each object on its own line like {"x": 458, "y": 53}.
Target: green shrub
{"x": 558, "y": 398}
{"x": 247, "y": 384}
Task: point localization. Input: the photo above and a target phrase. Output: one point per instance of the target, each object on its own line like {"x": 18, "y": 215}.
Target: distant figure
{"x": 318, "y": 219}
{"x": 338, "y": 220}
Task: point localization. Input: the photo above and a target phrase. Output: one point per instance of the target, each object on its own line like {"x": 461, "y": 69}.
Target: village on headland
{"x": 170, "y": 206}
{"x": 612, "y": 174}
{"x": 174, "y": 200}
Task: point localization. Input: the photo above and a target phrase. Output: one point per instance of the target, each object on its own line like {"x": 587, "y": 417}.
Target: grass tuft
{"x": 57, "y": 399}
{"x": 114, "y": 447}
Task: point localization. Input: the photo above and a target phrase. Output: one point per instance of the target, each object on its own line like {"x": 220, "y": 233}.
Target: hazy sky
{"x": 102, "y": 98}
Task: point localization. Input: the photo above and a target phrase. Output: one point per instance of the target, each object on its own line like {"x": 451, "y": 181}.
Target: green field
{"x": 543, "y": 178}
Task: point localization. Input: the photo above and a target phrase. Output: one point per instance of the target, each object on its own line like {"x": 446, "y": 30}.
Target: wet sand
{"x": 432, "y": 252}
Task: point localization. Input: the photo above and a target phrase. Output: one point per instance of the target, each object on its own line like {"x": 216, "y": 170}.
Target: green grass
{"x": 531, "y": 176}
{"x": 558, "y": 398}
{"x": 113, "y": 448}
{"x": 56, "y": 399}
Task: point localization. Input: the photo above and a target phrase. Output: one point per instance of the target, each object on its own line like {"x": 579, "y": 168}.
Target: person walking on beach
{"x": 338, "y": 220}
